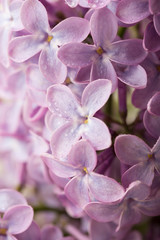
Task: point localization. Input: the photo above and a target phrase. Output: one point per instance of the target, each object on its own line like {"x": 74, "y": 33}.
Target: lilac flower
{"x": 101, "y": 55}
{"x": 128, "y": 210}
{"x": 124, "y": 212}
{"x": 76, "y": 119}
{"x": 85, "y": 183}
{"x": 17, "y": 215}
{"x": 10, "y": 21}
{"x": 133, "y": 151}
{"x": 46, "y": 41}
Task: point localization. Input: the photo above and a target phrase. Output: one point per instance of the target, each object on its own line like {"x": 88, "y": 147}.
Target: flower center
{"x": 49, "y": 38}
{"x": 86, "y": 120}
{"x": 149, "y": 155}
{"x": 3, "y": 231}
{"x": 100, "y": 51}
{"x": 85, "y": 170}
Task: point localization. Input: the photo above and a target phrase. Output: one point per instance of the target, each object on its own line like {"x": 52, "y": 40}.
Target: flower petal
{"x": 73, "y": 29}
{"x": 9, "y": 198}
{"x": 60, "y": 168}
{"x": 63, "y": 139}
{"x": 95, "y": 95}
{"x": 62, "y": 102}
{"x": 154, "y": 6}
{"x": 154, "y": 104}
{"x": 18, "y": 218}
{"x": 52, "y": 232}
{"x": 134, "y": 76}
{"x": 102, "y": 68}
{"x": 143, "y": 172}
{"x": 132, "y": 11}
{"x": 104, "y": 189}
{"x": 83, "y": 154}
{"x": 151, "y": 39}
{"x": 25, "y": 47}
{"x": 156, "y": 20}
{"x": 77, "y": 191}
{"x": 34, "y": 16}
{"x": 131, "y": 150}
{"x": 103, "y": 212}
{"x": 97, "y": 133}
{"x": 152, "y": 123}
{"x": 77, "y": 54}
{"x": 138, "y": 191}
{"x": 129, "y": 52}
{"x": 51, "y": 67}
{"x": 103, "y": 27}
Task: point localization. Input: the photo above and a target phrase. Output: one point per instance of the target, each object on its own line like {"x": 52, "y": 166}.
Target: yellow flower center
{"x": 150, "y": 155}
{"x": 85, "y": 170}
{"x": 3, "y": 231}
{"x": 67, "y": 81}
{"x": 99, "y": 50}
{"x": 49, "y": 38}
{"x": 86, "y": 120}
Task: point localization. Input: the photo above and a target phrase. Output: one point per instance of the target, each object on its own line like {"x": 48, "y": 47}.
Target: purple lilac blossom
{"x": 106, "y": 50}
{"x": 72, "y": 145}
{"x": 46, "y": 41}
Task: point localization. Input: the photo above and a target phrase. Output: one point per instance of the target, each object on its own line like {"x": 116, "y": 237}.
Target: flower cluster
{"x": 80, "y": 119}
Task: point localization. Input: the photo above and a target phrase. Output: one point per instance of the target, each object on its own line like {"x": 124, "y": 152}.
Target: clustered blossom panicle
{"x": 80, "y": 119}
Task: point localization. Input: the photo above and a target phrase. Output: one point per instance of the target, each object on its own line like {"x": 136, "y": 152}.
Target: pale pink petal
{"x": 35, "y": 79}
{"x": 77, "y": 191}
{"x": 102, "y": 68}
{"x": 9, "y": 198}
{"x": 51, "y": 67}
{"x": 15, "y": 9}
{"x": 143, "y": 172}
{"x": 60, "y": 168}
{"x": 62, "y": 102}
{"x": 102, "y": 212}
{"x": 138, "y": 191}
{"x": 52, "y": 232}
{"x": 53, "y": 121}
{"x": 18, "y": 218}
{"x": 83, "y": 154}
{"x": 34, "y": 16}
{"x": 97, "y": 133}
{"x": 77, "y": 54}
{"x": 103, "y": 27}
{"x": 25, "y": 47}
{"x": 104, "y": 189}
{"x": 95, "y": 95}
{"x": 132, "y": 11}
{"x": 63, "y": 139}
{"x": 73, "y": 29}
